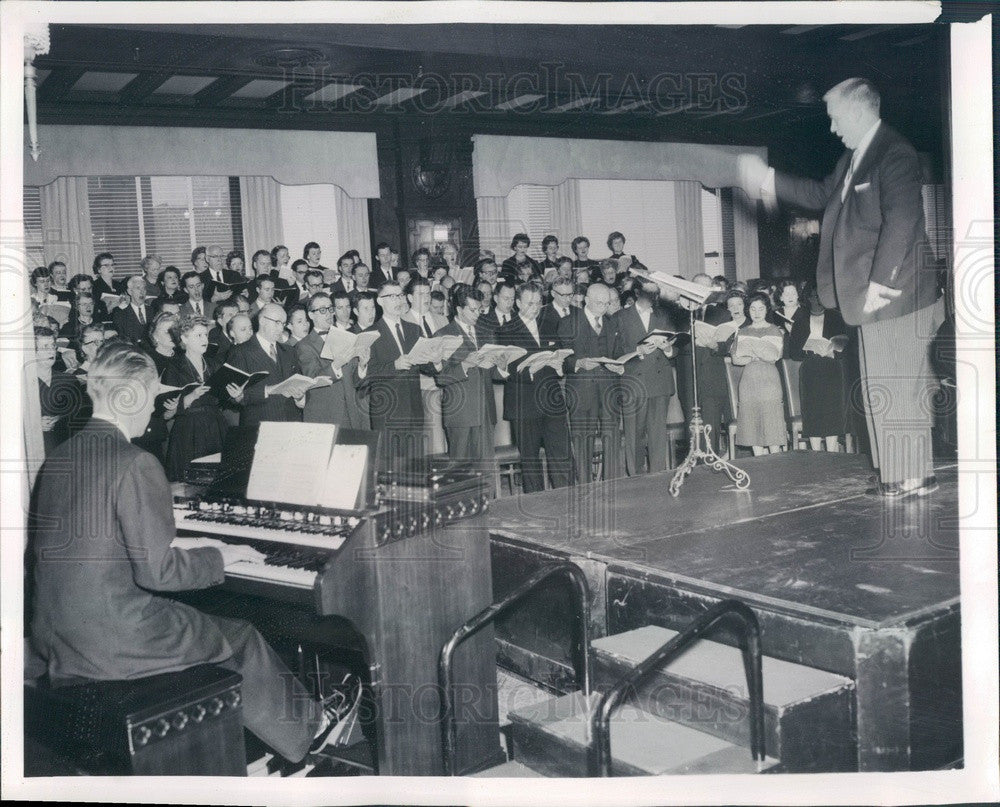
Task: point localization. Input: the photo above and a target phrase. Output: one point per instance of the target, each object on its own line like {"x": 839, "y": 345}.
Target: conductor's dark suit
{"x": 646, "y": 386}
{"x": 875, "y": 233}
{"x": 536, "y": 409}
{"x": 337, "y": 403}
{"x": 101, "y": 551}
{"x": 250, "y": 357}
{"x": 592, "y": 399}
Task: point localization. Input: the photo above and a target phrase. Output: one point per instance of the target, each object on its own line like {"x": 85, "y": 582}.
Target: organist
{"x": 105, "y": 553}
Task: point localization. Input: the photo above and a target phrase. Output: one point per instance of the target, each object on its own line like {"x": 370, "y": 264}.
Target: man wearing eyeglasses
{"x": 393, "y": 383}
{"x": 264, "y": 352}
{"x": 337, "y": 403}
{"x": 557, "y": 310}
{"x": 216, "y": 273}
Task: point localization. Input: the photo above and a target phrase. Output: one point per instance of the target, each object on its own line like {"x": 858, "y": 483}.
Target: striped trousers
{"x": 897, "y": 391}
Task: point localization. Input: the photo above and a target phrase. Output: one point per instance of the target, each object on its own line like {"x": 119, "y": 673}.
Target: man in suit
{"x": 344, "y": 283}
{"x": 468, "y": 408}
{"x": 554, "y": 312}
{"x": 215, "y": 272}
{"x": 264, "y": 352}
{"x": 196, "y": 305}
{"x": 382, "y": 271}
{"x": 219, "y": 335}
{"x": 590, "y": 386}
{"x": 365, "y": 311}
{"x": 535, "y": 404}
{"x": 393, "y": 382}
{"x": 105, "y": 552}
{"x": 132, "y": 321}
{"x": 418, "y": 293}
{"x": 502, "y": 311}
{"x": 648, "y": 381}
{"x": 876, "y": 266}
{"x": 337, "y": 403}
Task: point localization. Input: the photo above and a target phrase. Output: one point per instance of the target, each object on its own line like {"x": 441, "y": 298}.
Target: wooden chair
{"x": 788, "y": 369}
{"x": 733, "y": 375}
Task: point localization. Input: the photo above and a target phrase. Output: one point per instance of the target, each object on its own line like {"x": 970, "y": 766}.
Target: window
{"x": 168, "y": 216}
{"x": 33, "y": 248}
{"x": 529, "y": 210}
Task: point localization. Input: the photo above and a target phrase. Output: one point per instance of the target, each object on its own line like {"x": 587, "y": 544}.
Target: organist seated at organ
{"x": 105, "y": 554}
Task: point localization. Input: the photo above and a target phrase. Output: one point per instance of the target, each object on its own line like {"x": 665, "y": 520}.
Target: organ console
{"x": 391, "y": 579}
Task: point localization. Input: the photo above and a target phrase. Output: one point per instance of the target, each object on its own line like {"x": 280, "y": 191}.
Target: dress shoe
{"x": 896, "y": 490}
{"x": 885, "y": 490}
{"x": 924, "y": 487}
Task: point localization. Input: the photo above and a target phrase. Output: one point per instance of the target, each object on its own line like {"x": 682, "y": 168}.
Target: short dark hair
{"x": 524, "y": 288}
{"x": 462, "y": 293}
{"x": 364, "y": 295}
{"x": 298, "y": 263}
{"x": 518, "y": 238}
{"x": 39, "y": 271}
{"x": 274, "y": 253}
{"x": 382, "y": 245}
{"x": 101, "y": 256}
{"x": 76, "y": 280}
{"x": 549, "y": 239}
{"x": 163, "y": 273}
{"x": 196, "y": 252}
{"x": 758, "y": 296}
{"x": 563, "y": 260}
{"x": 313, "y": 298}
{"x": 737, "y": 294}
{"x": 478, "y": 268}
{"x": 415, "y": 282}
{"x": 260, "y": 279}
{"x": 223, "y": 306}
{"x": 187, "y": 276}
{"x": 232, "y": 256}
{"x": 54, "y": 264}
{"x": 314, "y": 273}
{"x": 580, "y": 239}
{"x": 309, "y": 246}
{"x": 613, "y": 236}
{"x": 421, "y": 251}
{"x": 439, "y": 295}
{"x": 257, "y": 254}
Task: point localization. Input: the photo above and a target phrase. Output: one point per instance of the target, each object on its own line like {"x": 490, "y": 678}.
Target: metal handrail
{"x": 599, "y": 752}
{"x": 581, "y": 644}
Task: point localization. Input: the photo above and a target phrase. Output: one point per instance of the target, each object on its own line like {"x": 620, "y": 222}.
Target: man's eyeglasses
{"x": 280, "y": 322}
{"x": 93, "y": 342}
{"x": 390, "y": 296}
{"x": 326, "y": 309}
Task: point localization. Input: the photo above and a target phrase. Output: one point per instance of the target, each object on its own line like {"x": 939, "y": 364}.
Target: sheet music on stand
{"x": 302, "y": 464}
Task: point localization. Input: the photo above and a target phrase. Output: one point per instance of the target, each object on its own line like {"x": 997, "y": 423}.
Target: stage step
{"x": 551, "y": 738}
{"x": 808, "y": 713}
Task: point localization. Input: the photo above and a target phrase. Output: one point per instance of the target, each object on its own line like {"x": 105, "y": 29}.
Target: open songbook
{"x": 712, "y": 336}
{"x": 238, "y": 286}
{"x": 495, "y": 355}
{"x": 111, "y": 300}
{"x": 825, "y": 347}
{"x": 295, "y": 386}
{"x": 342, "y": 346}
{"x": 546, "y": 358}
{"x": 434, "y": 349}
{"x": 303, "y": 464}
{"x": 761, "y": 347}
{"x": 167, "y": 393}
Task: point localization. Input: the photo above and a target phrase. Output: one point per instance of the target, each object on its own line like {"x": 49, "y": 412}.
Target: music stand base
{"x": 701, "y": 449}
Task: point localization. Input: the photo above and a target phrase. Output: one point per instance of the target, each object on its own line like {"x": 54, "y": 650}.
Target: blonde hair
{"x": 856, "y": 91}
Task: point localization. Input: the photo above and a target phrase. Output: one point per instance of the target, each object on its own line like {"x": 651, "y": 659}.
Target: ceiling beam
{"x": 141, "y": 87}
{"x": 220, "y": 90}
{"x": 59, "y": 82}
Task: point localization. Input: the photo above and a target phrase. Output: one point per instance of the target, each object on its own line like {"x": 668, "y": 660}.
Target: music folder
{"x": 312, "y": 465}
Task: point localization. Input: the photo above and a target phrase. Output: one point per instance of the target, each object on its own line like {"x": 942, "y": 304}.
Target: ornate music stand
{"x": 701, "y": 445}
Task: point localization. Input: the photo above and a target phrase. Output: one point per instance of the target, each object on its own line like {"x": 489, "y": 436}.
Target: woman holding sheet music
{"x": 760, "y": 421}
{"x": 817, "y": 340}
{"x": 199, "y": 426}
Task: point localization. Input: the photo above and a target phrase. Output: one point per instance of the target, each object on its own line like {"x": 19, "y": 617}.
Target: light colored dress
{"x": 761, "y": 411}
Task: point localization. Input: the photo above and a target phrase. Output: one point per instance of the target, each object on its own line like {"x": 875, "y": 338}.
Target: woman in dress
{"x": 817, "y": 340}
{"x": 787, "y": 308}
{"x": 61, "y": 397}
{"x": 520, "y": 264}
{"x": 760, "y": 421}
{"x": 81, "y": 315}
{"x": 199, "y": 427}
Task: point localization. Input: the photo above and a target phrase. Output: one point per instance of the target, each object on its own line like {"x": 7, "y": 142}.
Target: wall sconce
{"x": 36, "y": 43}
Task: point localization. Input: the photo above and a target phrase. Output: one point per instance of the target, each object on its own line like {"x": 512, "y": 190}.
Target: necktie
{"x": 272, "y": 351}
{"x": 848, "y": 177}
{"x": 597, "y": 326}
{"x": 399, "y": 335}
{"x": 472, "y": 335}
{"x": 427, "y": 327}
{"x": 197, "y": 309}
{"x": 140, "y": 314}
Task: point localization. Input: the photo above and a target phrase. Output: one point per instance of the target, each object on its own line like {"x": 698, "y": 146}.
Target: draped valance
{"x": 500, "y": 163}
{"x": 345, "y": 159}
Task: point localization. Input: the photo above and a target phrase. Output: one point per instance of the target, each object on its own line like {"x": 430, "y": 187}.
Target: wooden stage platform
{"x": 840, "y": 581}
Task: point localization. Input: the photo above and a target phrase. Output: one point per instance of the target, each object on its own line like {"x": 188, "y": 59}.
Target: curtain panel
{"x": 66, "y": 230}
{"x": 260, "y": 206}
{"x": 746, "y": 251}
{"x": 352, "y": 224}
{"x": 566, "y": 219}
{"x": 690, "y": 233}
{"x": 493, "y": 225}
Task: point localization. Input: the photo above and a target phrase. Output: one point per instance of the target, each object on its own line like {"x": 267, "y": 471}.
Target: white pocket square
{"x": 862, "y": 187}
